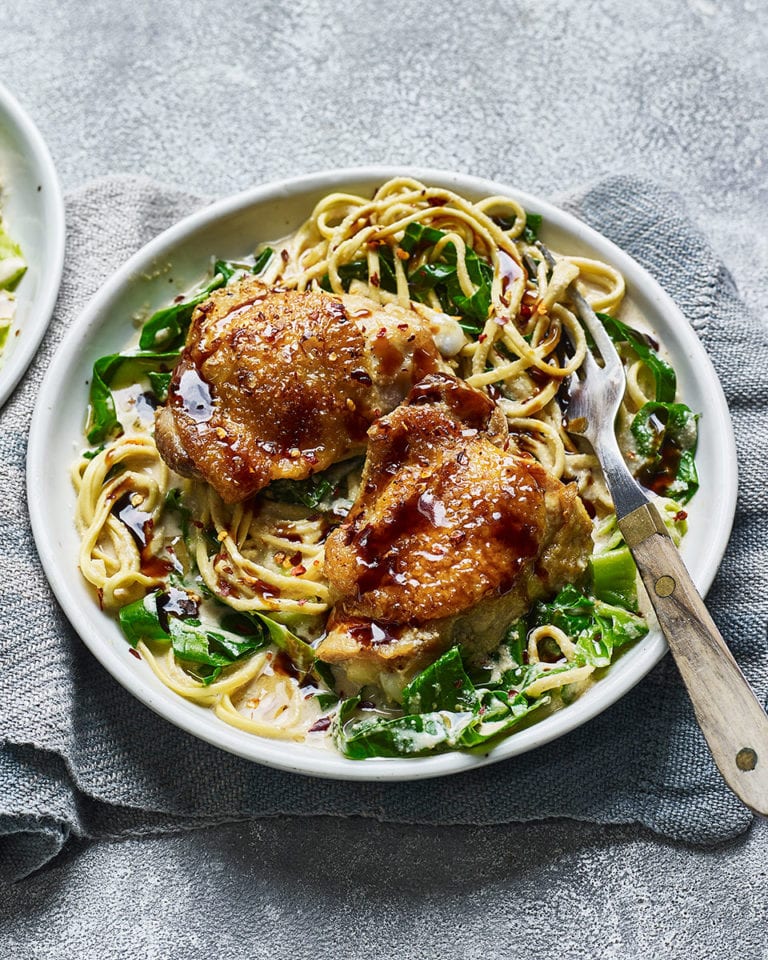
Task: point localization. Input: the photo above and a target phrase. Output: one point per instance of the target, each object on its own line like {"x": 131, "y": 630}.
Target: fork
{"x": 731, "y": 718}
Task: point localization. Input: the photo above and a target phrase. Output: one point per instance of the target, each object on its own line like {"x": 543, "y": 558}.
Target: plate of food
{"x": 31, "y": 241}
{"x": 314, "y": 500}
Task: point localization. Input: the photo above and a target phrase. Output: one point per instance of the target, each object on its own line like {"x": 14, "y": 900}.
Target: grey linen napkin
{"x": 79, "y": 757}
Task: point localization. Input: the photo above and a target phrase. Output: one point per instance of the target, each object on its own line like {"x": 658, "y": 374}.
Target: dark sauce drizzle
{"x": 177, "y": 603}
{"x": 660, "y": 475}
{"x": 373, "y": 633}
{"x": 139, "y": 524}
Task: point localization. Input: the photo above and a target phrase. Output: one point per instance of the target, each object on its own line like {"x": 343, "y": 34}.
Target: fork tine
{"x": 578, "y": 405}
{"x": 589, "y": 364}
{"x": 594, "y": 401}
{"x": 591, "y": 321}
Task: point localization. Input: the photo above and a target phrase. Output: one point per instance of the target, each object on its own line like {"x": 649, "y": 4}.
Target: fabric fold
{"x": 38, "y": 809}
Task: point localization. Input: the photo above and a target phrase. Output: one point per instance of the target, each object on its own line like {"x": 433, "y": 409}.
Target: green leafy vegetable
{"x": 167, "y": 328}
{"x": 160, "y": 382}
{"x": 168, "y": 616}
{"x": 415, "y": 735}
{"x": 320, "y": 487}
{"x": 171, "y": 616}
{"x": 300, "y": 653}
{"x": 418, "y": 235}
{"x": 663, "y": 374}
{"x": 102, "y": 416}
{"x": 444, "y": 685}
{"x": 441, "y": 276}
{"x": 614, "y": 577}
{"x": 326, "y": 700}
{"x": 666, "y": 436}
{"x": 664, "y": 431}
{"x": 262, "y": 260}
{"x": 90, "y": 454}
{"x": 12, "y": 263}
{"x": 226, "y": 269}
{"x": 533, "y": 222}
{"x": 358, "y": 270}
{"x": 596, "y": 627}
{"x": 452, "y": 713}
{"x": 310, "y": 492}
{"x": 530, "y": 232}
{"x": 446, "y": 709}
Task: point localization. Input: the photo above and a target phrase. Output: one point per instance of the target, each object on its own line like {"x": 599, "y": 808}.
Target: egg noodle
{"x": 266, "y": 555}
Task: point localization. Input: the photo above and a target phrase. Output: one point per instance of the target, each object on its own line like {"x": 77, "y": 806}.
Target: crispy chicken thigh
{"x": 453, "y": 537}
{"x": 282, "y": 384}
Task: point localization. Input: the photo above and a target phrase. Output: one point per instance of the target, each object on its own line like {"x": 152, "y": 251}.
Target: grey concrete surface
{"x": 309, "y": 890}
{"x": 543, "y": 95}
{"x": 215, "y": 98}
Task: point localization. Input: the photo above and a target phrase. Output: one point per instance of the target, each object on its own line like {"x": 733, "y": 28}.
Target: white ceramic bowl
{"x": 232, "y": 228}
{"x": 33, "y": 213}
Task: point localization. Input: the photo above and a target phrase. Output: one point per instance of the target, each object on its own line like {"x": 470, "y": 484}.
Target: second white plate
{"x": 32, "y": 210}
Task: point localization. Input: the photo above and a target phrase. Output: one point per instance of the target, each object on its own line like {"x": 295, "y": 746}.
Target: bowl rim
{"x": 51, "y": 203}
{"x": 321, "y": 763}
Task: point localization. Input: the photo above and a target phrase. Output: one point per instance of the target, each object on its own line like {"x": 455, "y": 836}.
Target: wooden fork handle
{"x": 732, "y": 719}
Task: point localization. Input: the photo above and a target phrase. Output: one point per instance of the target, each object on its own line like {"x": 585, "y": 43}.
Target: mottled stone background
{"x": 547, "y": 96}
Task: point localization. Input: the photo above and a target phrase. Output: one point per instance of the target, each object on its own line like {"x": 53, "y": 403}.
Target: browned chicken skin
{"x": 282, "y": 384}
{"x": 453, "y": 537}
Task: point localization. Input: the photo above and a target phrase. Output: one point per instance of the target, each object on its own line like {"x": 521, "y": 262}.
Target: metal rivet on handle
{"x": 664, "y": 586}
{"x": 746, "y": 759}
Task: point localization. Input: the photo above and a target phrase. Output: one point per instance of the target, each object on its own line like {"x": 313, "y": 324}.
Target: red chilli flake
{"x": 134, "y": 653}
{"x": 299, "y": 570}
{"x": 681, "y": 515}
{"x": 322, "y": 724}
{"x": 375, "y": 281}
